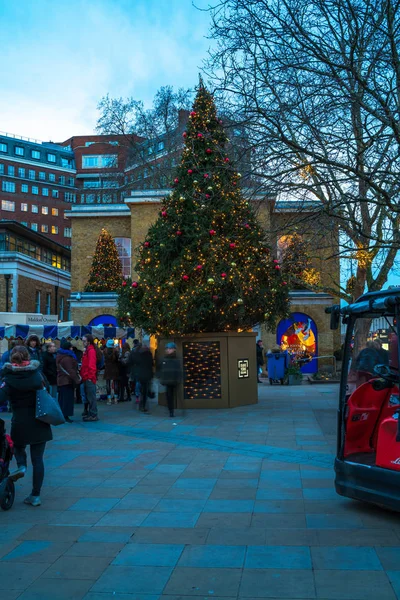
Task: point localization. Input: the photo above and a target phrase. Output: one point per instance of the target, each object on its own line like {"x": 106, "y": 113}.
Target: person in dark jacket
{"x": 132, "y": 369}
{"x": 50, "y": 367}
{"x": 33, "y": 345}
{"x": 111, "y": 371}
{"x": 260, "y": 359}
{"x": 67, "y": 379}
{"x": 144, "y": 374}
{"x": 123, "y": 373}
{"x": 22, "y": 379}
{"x": 170, "y": 374}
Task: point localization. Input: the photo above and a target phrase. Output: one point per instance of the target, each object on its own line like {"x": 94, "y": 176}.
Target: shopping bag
{"x": 48, "y": 409}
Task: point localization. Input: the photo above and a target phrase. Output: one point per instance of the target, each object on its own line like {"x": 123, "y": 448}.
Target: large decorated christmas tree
{"x": 205, "y": 264}
{"x": 106, "y": 271}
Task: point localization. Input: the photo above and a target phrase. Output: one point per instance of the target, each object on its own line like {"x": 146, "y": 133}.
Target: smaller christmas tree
{"x": 106, "y": 271}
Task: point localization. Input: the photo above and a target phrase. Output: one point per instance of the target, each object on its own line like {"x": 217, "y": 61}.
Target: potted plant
{"x": 294, "y": 374}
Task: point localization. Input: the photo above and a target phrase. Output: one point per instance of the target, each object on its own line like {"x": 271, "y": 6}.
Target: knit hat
{"x": 110, "y": 344}
{"x": 65, "y": 344}
{"x": 171, "y": 346}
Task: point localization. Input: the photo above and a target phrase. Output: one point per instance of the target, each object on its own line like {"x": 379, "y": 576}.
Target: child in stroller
{"x": 7, "y": 489}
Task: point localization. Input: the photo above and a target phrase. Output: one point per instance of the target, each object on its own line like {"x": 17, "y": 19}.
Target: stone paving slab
{"x": 217, "y": 504}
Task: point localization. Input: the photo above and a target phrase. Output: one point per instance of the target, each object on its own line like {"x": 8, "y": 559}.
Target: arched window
{"x": 299, "y": 336}
{"x": 124, "y": 251}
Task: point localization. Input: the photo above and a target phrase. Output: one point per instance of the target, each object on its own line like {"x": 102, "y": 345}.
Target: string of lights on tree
{"x": 202, "y": 370}
{"x": 106, "y": 271}
{"x": 205, "y": 264}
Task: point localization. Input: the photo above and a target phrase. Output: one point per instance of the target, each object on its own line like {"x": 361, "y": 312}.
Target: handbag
{"x": 48, "y": 409}
{"x": 66, "y": 372}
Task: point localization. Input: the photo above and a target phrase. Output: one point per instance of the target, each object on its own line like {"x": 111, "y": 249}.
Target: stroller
{"x": 7, "y": 489}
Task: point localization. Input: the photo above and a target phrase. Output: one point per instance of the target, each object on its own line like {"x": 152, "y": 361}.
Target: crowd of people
{"x": 70, "y": 376}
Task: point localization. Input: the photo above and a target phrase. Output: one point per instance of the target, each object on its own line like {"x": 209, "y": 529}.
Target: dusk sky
{"x": 60, "y": 58}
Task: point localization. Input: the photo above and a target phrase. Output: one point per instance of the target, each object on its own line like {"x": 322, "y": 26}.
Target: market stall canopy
{"x": 64, "y": 331}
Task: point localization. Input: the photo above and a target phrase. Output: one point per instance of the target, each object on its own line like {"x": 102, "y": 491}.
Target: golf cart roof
{"x": 383, "y": 302}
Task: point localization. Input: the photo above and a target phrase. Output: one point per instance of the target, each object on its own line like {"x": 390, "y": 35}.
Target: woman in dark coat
{"x": 67, "y": 378}
{"x": 111, "y": 371}
{"x": 123, "y": 373}
{"x": 144, "y": 374}
{"x": 33, "y": 345}
{"x": 22, "y": 379}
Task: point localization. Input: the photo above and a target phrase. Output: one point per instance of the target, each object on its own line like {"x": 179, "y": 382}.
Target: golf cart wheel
{"x": 271, "y": 381}
{"x": 282, "y": 381}
{"x": 9, "y": 495}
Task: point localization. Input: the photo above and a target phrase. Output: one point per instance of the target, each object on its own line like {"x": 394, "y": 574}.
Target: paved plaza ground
{"x": 233, "y": 504}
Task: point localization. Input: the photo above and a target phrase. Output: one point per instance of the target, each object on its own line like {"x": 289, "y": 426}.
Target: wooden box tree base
{"x": 220, "y": 370}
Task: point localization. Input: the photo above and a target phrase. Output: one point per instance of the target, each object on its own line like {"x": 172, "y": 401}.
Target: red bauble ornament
{"x": 208, "y": 196}
{"x": 193, "y": 113}
{"x": 226, "y": 159}
{"x": 184, "y": 134}
{"x": 250, "y": 289}
{"x": 215, "y": 298}
{"x": 179, "y": 232}
{"x": 185, "y": 277}
{"x": 206, "y": 176}
{"x": 164, "y": 213}
{"x": 199, "y": 135}
{"x": 233, "y": 182}
{"x": 220, "y": 121}
{"x": 247, "y": 226}
{"x": 208, "y": 150}
{"x": 212, "y": 232}
{"x": 190, "y": 171}
{"x": 147, "y": 244}
{"x": 284, "y": 282}
{"x": 223, "y": 275}
{"x": 232, "y": 245}
{"x": 277, "y": 267}
{"x": 135, "y": 284}
{"x": 199, "y": 267}
{"x": 124, "y": 283}
{"x": 275, "y": 261}
{"x": 176, "y": 180}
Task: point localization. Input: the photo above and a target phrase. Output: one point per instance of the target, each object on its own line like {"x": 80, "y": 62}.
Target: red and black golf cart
{"x": 367, "y": 464}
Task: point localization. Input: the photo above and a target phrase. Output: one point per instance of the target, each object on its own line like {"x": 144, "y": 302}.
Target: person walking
{"x": 22, "y": 379}
{"x": 260, "y": 359}
{"x": 132, "y": 368}
{"x": 144, "y": 375}
{"x": 67, "y": 379}
{"x": 123, "y": 373}
{"x": 50, "y": 367}
{"x": 33, "y": 345}
{"x": 170, "y": 374}
{"x": 111, "y": 372}
{"x": 89, "y": 378}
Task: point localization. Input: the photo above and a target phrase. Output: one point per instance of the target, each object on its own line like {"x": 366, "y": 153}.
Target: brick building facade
{"x": 34, "y": 272}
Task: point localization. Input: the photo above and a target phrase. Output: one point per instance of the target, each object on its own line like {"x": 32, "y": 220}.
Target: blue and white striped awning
{"x": 57, "y": 332}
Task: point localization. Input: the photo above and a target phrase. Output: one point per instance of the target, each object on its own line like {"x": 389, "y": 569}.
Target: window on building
{"x": 71, "y": 181}
{"x": 109, "y": 183}
{"x": 45, "y": 210}
{"x": 25, "y": 188}
{"x": 87, "y": 144}
{"x": 3, "y": 147}
{"x": 94, "y": 161}
{"x": 54, "y": 212}
{"x": 55, "y": 193}
{"x": 92, "y": 183}
{"x": 1, "y": 169}
{"x": 150, "y": 150}
{"x": 48, "y": 304}
{"x": 61, "y": 313}
{"x": 54, "y": 229}
{"x": 67, "y": 232}
{"x": 8, "y": 186}
{"x": 124, "y": 252}
{"x": 52, "y": 177}
{"x": 21, "y": 172}
{"x": 24, "y": 207}
{"x": 160, "y": 146}
{"x": 51, "y": 157}
{"x": 90, "y": 161}
{"x": 34, "y": 226}
{"x": 24, "y": 223}
{"x": 11, "y": 170}
{"x": 8, "y": 205}
{"x": 19, "y": 150}
{"x": 61, "y": 179}
{"x": 42, "y": 175}
{"x": 35, "y": 190}
{"x": 31, "y": 174}
{"x": 35, "y": 154}
{"x": 69, "y": 197}
{"x": 37, "y": 302}
{"x": 44, "y": 228}
{"x": 45, "y": 191}
{"x": 34, "y": 208}
{"x": 66, "y": 162}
